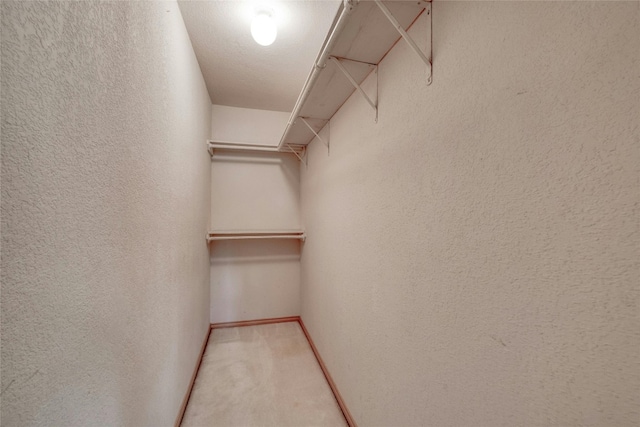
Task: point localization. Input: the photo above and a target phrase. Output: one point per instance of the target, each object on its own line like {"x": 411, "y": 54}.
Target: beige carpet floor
{"x": 264, "y": 375}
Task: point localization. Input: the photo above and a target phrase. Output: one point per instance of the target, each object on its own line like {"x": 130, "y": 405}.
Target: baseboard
{"x": 255, "y": 322}
{"x": 325, "y": 371}
{"x": 327, "y": 375}
{"x": 185, "y": 401}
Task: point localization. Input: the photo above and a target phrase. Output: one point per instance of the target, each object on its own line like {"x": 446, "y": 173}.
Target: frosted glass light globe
{"x": 264, "y": 29}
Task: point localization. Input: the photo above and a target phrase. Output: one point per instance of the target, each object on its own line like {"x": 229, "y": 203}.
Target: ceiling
{"x": 241, "y": 73}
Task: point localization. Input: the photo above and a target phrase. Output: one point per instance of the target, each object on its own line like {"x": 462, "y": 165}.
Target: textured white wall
{"x": 255, "y": 279}
{"x": 105, "y": 195}
{"x": 233, "y": 124}
{"x": 252, "y": 191}
{"x": 473, "y": 258}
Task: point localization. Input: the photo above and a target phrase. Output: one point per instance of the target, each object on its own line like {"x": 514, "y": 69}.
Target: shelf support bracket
{"x": 315, "y": 133}
{"x": 426, "y": 58}
{"x": 302, "y": 160}
{"x": 373, "y": 105}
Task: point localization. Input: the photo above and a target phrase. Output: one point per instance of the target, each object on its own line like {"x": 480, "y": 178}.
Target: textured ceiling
{"x": 241, "y": 73}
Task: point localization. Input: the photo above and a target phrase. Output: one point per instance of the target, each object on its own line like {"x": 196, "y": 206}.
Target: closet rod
{"x": 321, "y": 62}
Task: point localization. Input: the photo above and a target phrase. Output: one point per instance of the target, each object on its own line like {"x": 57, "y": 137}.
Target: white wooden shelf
{"x": 255, "y": 234}
{"x": 243, "y": 146}
{"x": 213, "y": 145}
{"x": 361, "y": 35}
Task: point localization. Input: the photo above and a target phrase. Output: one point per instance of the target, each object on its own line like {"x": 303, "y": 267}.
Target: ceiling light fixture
{"x": 263, "y": 27}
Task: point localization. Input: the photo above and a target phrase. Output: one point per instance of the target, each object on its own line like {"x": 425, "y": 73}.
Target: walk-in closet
{"x": 243, "y": 213}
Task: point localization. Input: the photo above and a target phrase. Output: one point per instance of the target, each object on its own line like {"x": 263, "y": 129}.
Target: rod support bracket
{"x": 302, "y": 157}
{"x": 325, "y": 142}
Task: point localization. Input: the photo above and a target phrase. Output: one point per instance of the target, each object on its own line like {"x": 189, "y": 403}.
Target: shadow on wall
{"x": 238, "y": 157}
{"x": 254, "y": 251}
{"x": 289, "y": 169}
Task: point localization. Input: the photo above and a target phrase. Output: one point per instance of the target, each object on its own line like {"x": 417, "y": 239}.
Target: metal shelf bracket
{"x": 325, "y": 142}
{"x": 426, "y": 57}
{"x": 355, "y": 84}
{"x": 302, "y": 158}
